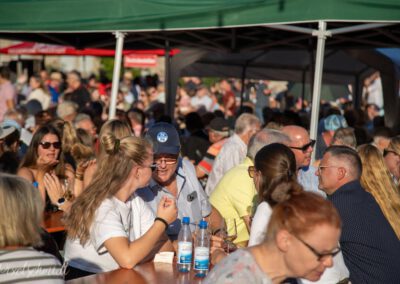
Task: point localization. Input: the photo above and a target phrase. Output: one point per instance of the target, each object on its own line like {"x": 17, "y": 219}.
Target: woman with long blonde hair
{"x": 376, "y": 180}
{"x": 116, "y": 127}
{"x": 108, "y": 225}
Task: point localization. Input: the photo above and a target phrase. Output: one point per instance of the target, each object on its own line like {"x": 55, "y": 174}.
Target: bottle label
{"x": 184, "y": 252}
{"x": 201, "y": 258}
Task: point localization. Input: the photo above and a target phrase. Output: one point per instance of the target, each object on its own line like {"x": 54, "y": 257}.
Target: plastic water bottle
{"x": 202, "y": 250}
{"x": 185, "y": 246}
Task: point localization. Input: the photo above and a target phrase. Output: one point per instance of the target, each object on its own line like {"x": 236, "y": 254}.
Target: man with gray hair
{"x": 84, "y": 121}
{"x": 67, "y": 110}
{"x": 234, "y": 150}
{"x": 370, "y": 246}
{"x": 235, "y": 195}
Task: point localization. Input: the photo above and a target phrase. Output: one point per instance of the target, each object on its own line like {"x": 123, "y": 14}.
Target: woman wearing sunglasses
{"x": 43, "y": 156}
{"x": 301, "y": 240}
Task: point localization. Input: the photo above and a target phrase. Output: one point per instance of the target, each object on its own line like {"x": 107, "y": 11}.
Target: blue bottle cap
{"x": 186, "y": 220}
{"x": 203, "y": 224}
{"x": 35, "y": 184}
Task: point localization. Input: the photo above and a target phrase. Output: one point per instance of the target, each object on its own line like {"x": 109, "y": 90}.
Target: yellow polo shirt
{"x": 235, "y": 196}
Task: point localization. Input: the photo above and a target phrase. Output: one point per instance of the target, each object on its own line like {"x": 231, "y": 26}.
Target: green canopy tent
{"x": 235, "y": 25}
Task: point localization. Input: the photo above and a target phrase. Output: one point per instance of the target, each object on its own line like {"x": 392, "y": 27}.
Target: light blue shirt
{"x": 307, "y": 178}
{"x": 189, "y": 197}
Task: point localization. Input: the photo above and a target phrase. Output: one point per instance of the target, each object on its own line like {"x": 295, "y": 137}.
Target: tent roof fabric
{"x": 167, "y": 15}
{"x": 230, "y": 25}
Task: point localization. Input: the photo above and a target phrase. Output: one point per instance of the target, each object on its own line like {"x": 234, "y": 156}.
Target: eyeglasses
{"x": 152, "y": 167}
{"x": 251, "y": 170}
{"x": 385, "y": 152}
{"x": 320, "y": 256}
{"x": 320, "y": 168}
{"x": 167, "y": 161}
{"x": 47, "y": 145}
{"x": 304, "y": 148}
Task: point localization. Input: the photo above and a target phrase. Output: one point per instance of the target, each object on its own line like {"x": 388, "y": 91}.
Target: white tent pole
{"x": 117, "y": 68}
{"x": 169, "y": 94}
{"x": 291, "y": 28}
{"x": 359, "y": 28}
{"x": 321, "y": 33}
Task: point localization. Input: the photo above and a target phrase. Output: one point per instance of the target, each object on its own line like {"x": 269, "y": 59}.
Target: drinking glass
{"x": 231, "y": 234}
{"x": 205, "y": 208}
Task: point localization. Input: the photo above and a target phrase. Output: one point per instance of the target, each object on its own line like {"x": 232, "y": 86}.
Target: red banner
{"x": 140, "y": 60}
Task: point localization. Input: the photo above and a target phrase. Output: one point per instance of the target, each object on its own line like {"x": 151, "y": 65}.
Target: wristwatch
{"x": 60, "y": 202}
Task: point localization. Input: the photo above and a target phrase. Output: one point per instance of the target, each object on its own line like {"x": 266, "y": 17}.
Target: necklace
{"x": 128, "y": 226}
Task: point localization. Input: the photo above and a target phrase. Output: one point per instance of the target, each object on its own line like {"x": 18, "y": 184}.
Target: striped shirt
{"x": 29, "y": 265}
{"x": 207, "y": 162}
{"x": 232, "y": 154}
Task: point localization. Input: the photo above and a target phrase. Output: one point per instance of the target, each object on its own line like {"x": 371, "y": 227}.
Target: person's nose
{"x": 161, "y": 164}
{"x": 328, "y": 262}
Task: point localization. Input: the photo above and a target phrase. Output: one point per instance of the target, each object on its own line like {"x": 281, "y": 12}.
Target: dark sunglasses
{"x": 47, "y": 145}
{"x": 304, "y": 148}
{"x": 385, "y": 152}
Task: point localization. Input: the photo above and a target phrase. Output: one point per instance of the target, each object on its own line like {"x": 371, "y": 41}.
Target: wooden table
{"x": 52, "y": 222}
{"x": 147, "y": 273}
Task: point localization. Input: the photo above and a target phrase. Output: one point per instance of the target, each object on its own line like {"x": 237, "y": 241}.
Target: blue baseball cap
{"x": 165, "y": 138}
{"x": 334, "y": 122}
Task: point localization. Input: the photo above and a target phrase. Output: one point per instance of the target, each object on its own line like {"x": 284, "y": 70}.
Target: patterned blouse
{"x": 239, "y": 267}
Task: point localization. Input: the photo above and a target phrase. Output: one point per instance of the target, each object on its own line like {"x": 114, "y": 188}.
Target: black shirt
{"x": 80, "y": 96}
{"x": 371, "y": 249}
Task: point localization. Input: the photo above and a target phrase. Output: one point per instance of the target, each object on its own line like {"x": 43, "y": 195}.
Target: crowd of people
{"x": 125, "y": 184}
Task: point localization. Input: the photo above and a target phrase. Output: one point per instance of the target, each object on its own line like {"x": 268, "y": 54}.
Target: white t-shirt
{"x": 258, "y": 231}
{"x": 41, "y": 96}
{"x": 113, "y": 218}
{"x": 260, "y": 223}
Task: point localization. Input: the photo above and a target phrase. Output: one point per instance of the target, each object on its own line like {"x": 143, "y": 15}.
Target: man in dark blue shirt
{"x": 370, "y": 247}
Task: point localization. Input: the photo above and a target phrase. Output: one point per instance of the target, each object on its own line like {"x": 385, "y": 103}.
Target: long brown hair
{"x": 31, "y": 155}
{"x": 376, "y": 180}
{"x": 276, "y": 164}
{"x": 113, "y": 169}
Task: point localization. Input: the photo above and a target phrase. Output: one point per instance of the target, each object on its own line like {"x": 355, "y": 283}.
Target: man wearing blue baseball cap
{"x": 175, "y": 177}
{"x": 330, "y": 125}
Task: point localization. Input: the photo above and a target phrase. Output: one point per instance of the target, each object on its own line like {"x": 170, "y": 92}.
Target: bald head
{"x": 295, "y": 132}
{"x": 298, "y": 139}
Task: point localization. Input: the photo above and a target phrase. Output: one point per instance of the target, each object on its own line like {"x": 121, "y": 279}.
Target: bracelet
{"x": 162, "y": 221}
{"x": 79, "y": 177}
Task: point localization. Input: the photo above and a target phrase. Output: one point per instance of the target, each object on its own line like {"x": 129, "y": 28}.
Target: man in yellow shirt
{"x": 235, "y": 195}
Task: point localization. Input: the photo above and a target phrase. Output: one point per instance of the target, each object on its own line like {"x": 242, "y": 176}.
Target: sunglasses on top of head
{"x": 305, "y": 147}
{"x": 47, "y": 145}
